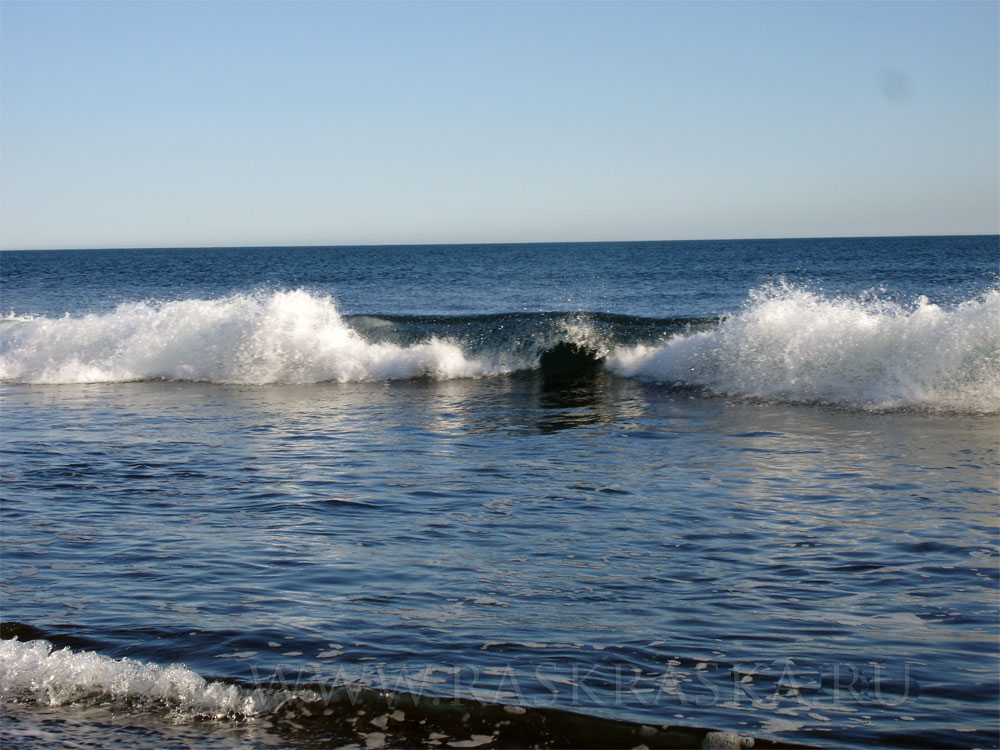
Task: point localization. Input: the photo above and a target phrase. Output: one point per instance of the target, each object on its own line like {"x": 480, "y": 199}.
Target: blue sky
{"x": 255, "y": 123}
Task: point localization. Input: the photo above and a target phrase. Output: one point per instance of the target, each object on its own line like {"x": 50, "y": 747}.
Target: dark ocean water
{"x": 572, "y": 495}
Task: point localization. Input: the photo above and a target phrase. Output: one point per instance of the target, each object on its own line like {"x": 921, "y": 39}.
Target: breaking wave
{"x": 283, "y": 337}
{"x": 33, "y": 673}
{"x": 791, "y": 344}
{"x": 788, "y": 344}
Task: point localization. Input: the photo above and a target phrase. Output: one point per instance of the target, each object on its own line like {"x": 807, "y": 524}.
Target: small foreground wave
{"x": 793, "y": 345}
{"x": 33, "y": 674}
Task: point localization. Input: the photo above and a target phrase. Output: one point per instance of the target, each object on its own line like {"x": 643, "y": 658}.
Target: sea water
{"x": 602, "y": 495}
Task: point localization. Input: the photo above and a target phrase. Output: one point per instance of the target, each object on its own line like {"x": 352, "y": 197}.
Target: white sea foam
{"x": 282, "y": 337}
{"x": 787, "y": 344}
{"x": 35, "y": 672}
{"x": 791, "y": 344}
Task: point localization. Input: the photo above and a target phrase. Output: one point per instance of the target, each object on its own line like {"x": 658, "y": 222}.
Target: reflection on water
{"x": 515, "y": 524}
{"x": 575, "y": 400}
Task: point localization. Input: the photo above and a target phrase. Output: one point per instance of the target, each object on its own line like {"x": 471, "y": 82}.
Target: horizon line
{"x": 473, "y": 244}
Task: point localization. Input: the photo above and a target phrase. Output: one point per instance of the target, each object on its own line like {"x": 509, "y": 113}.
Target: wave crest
{"x": 35, "y": 672}
{"x": 348, "y": 714}
{"x": 283, "y": 337}
{"x": 791, "y": 344}
{"x": 788, "y": 344}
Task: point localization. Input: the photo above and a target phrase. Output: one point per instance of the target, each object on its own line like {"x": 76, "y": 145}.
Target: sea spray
{"x": 788, "y": 344}
{"x": 791, "y": 344}
{"x": 33, "y": 673}
{"x": 36, "y": 672}
{"x": 281, "y": 337}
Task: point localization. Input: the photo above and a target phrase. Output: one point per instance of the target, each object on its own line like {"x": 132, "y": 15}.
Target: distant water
{"x": 563, "y": 495}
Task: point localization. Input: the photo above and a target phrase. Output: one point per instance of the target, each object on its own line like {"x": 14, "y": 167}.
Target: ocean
{"x": 644, "y": 494}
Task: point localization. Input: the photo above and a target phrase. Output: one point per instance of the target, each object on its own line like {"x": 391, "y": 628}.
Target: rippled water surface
{"x": 620, "y": 557}
{"x": 564, "y": 555}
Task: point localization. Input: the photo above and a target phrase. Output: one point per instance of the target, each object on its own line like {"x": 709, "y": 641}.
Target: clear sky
{"x": 255, "y": 123}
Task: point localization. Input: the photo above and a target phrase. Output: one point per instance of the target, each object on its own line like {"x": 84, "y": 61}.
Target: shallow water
{"x": 460, "y": 538}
